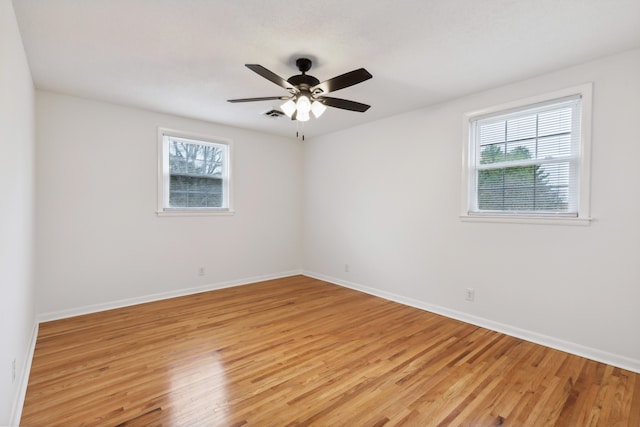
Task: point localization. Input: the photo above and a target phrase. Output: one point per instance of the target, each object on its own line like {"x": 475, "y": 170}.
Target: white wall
{"x": 100, "y": 242}
{"x": 17, "y": 196}
{"x": 385, "y": 199}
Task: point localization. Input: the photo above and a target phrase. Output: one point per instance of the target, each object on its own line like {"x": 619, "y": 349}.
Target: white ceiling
{"x": 186, "y": 57}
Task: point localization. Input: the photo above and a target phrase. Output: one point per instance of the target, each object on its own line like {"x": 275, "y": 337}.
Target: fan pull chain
{"x": 299, "y": 135}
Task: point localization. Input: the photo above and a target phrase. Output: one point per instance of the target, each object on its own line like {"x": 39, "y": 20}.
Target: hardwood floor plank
{"x": 634, "y": 417}
{"x": 298, "y": 351}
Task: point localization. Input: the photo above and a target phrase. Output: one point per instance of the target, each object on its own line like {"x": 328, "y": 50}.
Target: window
{"x": 529, "y": 159}
{"x": 193, "y": 173}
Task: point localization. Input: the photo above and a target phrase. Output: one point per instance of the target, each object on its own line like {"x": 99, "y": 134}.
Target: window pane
{"x": 521, "y": 150}
{"x": 492, "y": 154}
{"x": 532, "y": 138}
{"x": 521, "y": 128}
{"x": 554, "y": 122}
{"x": 525, "y": 188}
{"x": 190, "y": 191}
{"x": 490, "y": 200}
{"x": 554, "y": 146}
{"x": 196, "y": 174}
{"x": 492, "y": 133}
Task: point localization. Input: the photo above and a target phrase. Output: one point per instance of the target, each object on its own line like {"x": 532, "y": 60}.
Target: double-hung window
{"x": 194, "y": 173}
{"x": 529, "y": 159}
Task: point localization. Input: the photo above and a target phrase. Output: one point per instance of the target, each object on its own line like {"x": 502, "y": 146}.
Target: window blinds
{"x": 526, "y": 160}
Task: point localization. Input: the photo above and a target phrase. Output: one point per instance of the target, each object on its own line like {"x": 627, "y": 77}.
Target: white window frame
{"x": 468, "y": 193}
{"x": 164, "y": 177}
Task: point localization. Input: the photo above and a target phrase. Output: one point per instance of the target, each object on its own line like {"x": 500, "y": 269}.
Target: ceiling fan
{"x": 307, "y": 93}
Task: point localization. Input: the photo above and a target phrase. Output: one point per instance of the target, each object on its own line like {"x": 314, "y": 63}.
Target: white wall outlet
{"x": 470, "y": 294}
{"x": 346, "y": 268}
{"x": 13, "y": 371}
{"x": 201, "y": 271}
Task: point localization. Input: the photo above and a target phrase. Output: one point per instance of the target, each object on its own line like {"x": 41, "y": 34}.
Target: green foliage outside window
{"x": 516, "y": 188}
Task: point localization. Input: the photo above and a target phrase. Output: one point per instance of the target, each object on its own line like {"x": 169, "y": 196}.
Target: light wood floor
{"x": 298, "y": 351}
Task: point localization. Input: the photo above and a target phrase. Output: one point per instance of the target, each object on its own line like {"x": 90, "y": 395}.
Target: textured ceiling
{"x": 186, "y": 57}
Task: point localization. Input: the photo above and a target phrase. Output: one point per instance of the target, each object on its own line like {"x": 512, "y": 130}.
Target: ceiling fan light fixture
{"x": 304, "y": 88}
{"x": 317, "y": 108}
{"x": 303, "y": 105}
{"x": 289, "y": 107}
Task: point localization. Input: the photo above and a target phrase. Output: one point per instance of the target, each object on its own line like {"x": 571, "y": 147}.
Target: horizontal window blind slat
{"x": 526, "y": 162}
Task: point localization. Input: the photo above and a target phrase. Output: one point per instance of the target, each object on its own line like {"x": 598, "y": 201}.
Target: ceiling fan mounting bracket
{"x": 303, "y": 64}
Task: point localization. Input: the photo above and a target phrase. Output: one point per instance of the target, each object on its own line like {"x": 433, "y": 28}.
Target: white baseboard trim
{"x": 545, "y": 340}
{"x": 18, "y": 402}
{"x": 94, "y": 308}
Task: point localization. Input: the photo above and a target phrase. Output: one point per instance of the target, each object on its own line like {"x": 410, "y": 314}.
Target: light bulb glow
{"x": 289, "y": 107}
{"x": 302, "y": 116}
{"x": 317, "y": 108}
{"x": 303, "y": 105}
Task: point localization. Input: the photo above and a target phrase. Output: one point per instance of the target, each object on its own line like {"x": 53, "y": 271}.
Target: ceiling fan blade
{"x": 345, "y": 104}
{"x": 344, "y": 80}
{"x": 270, "y": 75}
{"x": 266, "y": 98}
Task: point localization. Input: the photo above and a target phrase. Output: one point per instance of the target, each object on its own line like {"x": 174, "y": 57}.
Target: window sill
{"x": 524, "y": 219}
{"x": 196, "y": 212}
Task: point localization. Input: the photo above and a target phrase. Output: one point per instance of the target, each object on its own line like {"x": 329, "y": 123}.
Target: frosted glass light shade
{"x": 302, "y": 108}
{"x": 289, "y": 107}
{"x": 317, "y": 108}
{"x": 303, "y": 105}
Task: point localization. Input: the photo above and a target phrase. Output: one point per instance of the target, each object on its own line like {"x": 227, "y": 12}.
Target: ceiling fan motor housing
{"x": 303, "y": 81}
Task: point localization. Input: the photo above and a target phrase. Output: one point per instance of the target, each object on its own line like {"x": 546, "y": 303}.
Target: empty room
{"x": 329, "y": 213}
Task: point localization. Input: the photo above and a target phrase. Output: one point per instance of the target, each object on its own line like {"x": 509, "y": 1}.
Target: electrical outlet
{"x": 346, "y": 268}
{"x": 13, "y": 371}
{"x": 201, "y": 271}
{"x": 470, "y": 294}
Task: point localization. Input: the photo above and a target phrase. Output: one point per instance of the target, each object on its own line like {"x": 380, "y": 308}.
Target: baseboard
{"x": 545, "y": 340}
{"x": 18, "y": 402}
{"x": 94, "y": 308}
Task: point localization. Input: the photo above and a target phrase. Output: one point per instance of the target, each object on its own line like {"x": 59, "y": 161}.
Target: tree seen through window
{"x": 196, "y": 174}
{"x": 520, "y": 188}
